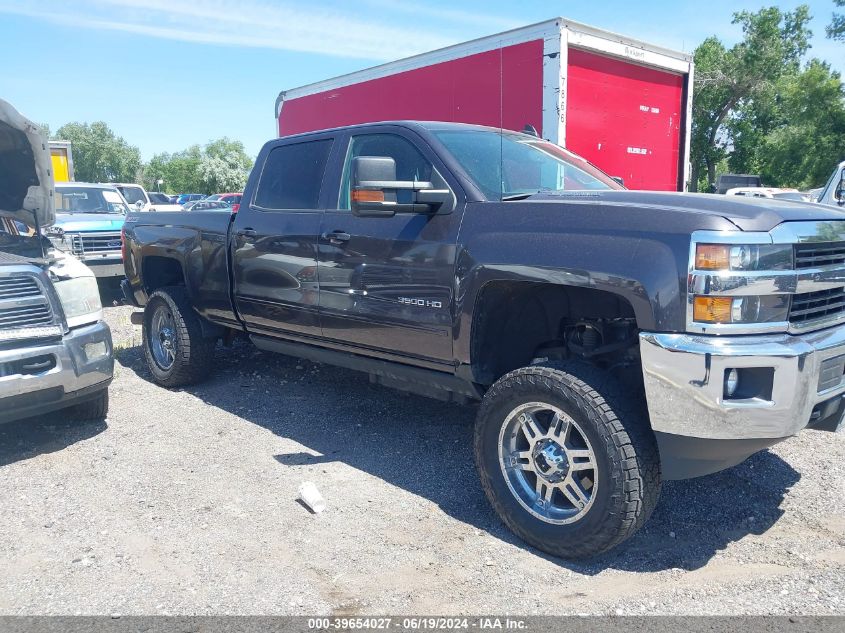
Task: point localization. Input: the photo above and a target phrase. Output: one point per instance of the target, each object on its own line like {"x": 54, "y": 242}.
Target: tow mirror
{"x": 374, "y": 188}
{"x": 839, "y": 192}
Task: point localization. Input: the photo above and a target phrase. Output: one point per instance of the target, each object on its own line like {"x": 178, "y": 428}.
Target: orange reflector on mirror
{"x": 712, "y": 309}
{"x": 367, "y": 195}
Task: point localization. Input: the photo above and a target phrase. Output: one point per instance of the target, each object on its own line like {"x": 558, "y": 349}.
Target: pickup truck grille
{"x": 96, "y": 243}
{"x": 816, "y": 255}
{"x": 825, "y": 305}
{"x": 29, "y": 316}
{"x": 23, "y": 304}
{"x": 18, "y": 287}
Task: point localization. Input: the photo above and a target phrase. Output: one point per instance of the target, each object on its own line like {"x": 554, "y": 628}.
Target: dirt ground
{"x": 184, "y": 502}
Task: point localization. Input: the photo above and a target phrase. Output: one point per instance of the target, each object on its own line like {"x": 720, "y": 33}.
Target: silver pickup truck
{"x": 55, "y": 348}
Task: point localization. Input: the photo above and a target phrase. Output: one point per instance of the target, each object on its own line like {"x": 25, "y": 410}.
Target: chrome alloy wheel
{"x": 163, "y": 337}
{"x": 548, "y": 463}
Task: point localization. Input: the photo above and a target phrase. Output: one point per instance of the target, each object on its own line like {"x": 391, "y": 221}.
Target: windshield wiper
{"x": 519, "y": 196}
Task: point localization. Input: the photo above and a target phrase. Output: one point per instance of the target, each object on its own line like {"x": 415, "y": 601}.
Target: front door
{"x": 275, "y": 241}
{"x": 386, "y": 283}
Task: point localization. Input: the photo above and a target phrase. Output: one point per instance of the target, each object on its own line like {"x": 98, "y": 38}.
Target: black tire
{"x": 193, "y": 353}
{"x": 613, "y": 419}
{"x": 91, "y": 410}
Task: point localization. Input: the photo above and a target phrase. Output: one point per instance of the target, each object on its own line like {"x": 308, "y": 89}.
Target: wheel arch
{"x": 512, "y": 319}
{"x": 162, "y": 271}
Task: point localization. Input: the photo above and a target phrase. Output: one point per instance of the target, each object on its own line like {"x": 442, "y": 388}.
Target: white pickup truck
{"x": 55, "y": 348}
{"x": 834, "y": 191}
{"x": 139, "y": 199}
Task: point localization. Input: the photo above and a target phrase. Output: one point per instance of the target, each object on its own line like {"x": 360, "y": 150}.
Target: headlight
{"x": 80, "y": 299}
{"x": 743, "y": 257}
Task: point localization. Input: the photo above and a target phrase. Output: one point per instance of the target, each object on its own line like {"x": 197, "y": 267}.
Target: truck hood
{"x": 26, "y": 177}
{"x": 74, "y": 222}
{"x": 748, "y": 214}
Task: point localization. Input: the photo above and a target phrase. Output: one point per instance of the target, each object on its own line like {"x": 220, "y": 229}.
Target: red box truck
{"x": 621, "y": 103}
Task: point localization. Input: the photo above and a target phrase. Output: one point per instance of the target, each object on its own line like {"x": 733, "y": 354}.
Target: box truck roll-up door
{"x": 626, "y": 118}
{"x": 61, "y": 168}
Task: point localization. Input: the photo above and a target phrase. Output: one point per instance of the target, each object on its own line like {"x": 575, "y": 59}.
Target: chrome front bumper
{"x": 79, "y": 364}
{"x": 684, "y": 382}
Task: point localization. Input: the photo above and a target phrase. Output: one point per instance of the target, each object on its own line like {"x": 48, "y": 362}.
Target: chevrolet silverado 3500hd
{"x": 614, "y": 338}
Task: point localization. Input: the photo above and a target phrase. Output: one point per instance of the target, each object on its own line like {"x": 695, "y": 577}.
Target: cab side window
{"x": 293, "y": 176}
{"x": 410, "y": 163}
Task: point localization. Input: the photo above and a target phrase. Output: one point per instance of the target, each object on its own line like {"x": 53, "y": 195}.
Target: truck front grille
{"x": 18, "y": 287}
{"x": 96, "y": 243}
{"x": 23, "y": 304}
{"x": 27, "y": 316}
{"x": 815, "y": 255}
{"x": 810, "y": 307}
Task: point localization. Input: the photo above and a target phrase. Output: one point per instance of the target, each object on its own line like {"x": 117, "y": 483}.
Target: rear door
{"x": 274, "y": 239}
{"x": 386, "y": 283}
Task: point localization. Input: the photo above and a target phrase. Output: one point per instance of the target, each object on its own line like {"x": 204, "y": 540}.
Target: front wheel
{"x": 567, "y": 459}
{"x": 95, "y": 409}
{"x": 174, "y": 347}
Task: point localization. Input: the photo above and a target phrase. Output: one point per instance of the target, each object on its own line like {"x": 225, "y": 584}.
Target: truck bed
{"x": 198, "y": 240}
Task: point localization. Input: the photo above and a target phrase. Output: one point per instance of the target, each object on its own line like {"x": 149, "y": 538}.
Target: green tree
{"x": 179, "y": 171}
{"x": 773, "y": 44}
{"x": 99, "y": 155}
{"x": 225, "y": 166}
{"x": 222, "y": 165}
{"x": 836, "y": 28}
{"x": 806, "y": 139}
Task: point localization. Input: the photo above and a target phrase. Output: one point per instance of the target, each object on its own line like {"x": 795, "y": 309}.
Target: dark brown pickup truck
{"x": 614, "y": 338}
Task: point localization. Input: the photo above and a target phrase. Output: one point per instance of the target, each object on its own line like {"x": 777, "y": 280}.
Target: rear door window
{"x": 293, "y": 176}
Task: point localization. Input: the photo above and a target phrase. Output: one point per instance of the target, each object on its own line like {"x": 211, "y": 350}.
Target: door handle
{"x": 247, "y": 232}
{"x": 336, "y": 237}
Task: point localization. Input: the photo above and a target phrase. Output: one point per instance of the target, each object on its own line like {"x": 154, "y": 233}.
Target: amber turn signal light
{"x": 712, "y": 257}
{"x": 712, "y": 309}
{"x": 367, "y": 195}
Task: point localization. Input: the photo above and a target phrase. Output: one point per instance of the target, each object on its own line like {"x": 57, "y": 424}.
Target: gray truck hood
{"x": 26, "y": 177}
{"x": 748, "y": 214}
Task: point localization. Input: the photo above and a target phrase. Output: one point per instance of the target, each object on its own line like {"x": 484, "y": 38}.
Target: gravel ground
{"x": 184, "y": 502}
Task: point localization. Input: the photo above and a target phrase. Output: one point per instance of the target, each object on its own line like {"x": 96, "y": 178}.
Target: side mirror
{"x": 139, "y": 204}
{"x": 374, "y": 187}
{"x": 839, "y": 192}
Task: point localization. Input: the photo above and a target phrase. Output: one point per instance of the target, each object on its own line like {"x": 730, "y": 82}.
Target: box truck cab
{"x": 61, "y": 157}
{"x": 623, "y": 104}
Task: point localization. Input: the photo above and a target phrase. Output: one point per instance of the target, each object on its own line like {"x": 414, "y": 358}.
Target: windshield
{"x": 89, "y": 200}
{"x": 509, "y": 164}
{"x": 159, "y": 198}
{"x": 133, "y": 194}
{"x": 216, "y": 196}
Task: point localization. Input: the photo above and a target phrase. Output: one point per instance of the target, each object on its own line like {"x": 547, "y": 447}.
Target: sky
{"x": 165, "y": 74}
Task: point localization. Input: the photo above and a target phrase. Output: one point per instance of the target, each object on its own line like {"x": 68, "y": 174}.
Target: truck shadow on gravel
{"x": 25, "y": 439}
{"x": 425, "y": 447}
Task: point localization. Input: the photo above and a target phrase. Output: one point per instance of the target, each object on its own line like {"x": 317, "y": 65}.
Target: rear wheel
{"x": 566, "y": 459}
{"x": 176, "y": 351}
